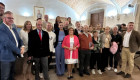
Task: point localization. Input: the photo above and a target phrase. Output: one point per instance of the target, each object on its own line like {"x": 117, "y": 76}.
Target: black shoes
{"x": 81, "y": 74}
{"x": 70, "y": 77}
{"x": 87, "y": 73}
{"x": 121, "y": 73}
{"x": 73, "y": 70}
{"x": 127, "y": 75}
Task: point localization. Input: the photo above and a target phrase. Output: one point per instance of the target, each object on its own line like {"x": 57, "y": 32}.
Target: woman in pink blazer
{"x": 70, "y": 45}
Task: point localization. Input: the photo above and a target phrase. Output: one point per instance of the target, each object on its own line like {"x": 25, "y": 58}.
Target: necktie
{"x": 40, "y": 35}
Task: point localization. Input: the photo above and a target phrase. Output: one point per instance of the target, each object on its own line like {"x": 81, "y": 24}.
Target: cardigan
{"x": 66, "y": 42}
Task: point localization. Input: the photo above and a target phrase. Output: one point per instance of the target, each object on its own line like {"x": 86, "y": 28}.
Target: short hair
{"x": 50, "y": 24}
{"x": 71, "y": 27}
{"x": 94, "y": 31}
{"x": 39, "y": 19}
{"x": 7, "y": 12}
{"x": 2, "y": 4}
{"x": 123, "y": 24}
{"x": 131, "y": 23}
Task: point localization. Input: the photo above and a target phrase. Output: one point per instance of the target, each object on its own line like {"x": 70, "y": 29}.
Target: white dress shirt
{"x": 10, "y": 28}
{"x": 126, "y": 39}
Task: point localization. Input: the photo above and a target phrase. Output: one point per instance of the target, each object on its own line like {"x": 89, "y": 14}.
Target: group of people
{"x": 80, "y": 47}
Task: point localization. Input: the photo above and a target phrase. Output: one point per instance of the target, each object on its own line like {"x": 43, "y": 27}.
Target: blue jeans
{"x": 7, "y": 70}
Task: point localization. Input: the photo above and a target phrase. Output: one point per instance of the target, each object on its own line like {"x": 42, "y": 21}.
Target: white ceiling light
{"x": 126, "y": 11}
{"x": 26, "y": 14}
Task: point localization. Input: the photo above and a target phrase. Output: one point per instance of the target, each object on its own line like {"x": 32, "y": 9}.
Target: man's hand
{"x": 91, "y": 48}
{"x": 29, "y": 58}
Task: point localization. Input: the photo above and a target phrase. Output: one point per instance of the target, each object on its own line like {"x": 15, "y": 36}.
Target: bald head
{"x": 46, "y": 17}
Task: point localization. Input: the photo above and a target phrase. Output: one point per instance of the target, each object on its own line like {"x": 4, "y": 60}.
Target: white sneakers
{"x": 99, "y": 72}
{"x": 41, "y": 75}
{"x": 93, "y": 71}
{"x": 115, "y": 70}
{"x": 109, "y": 68}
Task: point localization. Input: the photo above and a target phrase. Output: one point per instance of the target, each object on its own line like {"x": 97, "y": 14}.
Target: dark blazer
{"x": 8, "y": 48}
{"x": 76, "y": 32}
{"x": 134, "y": 42}
{"x": 57, "y": 34}
{"x": 36, "y": 47}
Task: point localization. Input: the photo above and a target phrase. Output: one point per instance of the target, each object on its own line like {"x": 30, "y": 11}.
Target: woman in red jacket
{"x": 71, "y": 45}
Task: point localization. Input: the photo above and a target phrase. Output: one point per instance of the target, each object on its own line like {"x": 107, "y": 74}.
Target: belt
{"x": 126, "y": 47}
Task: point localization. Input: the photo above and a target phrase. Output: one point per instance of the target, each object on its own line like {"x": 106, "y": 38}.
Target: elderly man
{"x": 2, "y": 9}
{"x": 38, "y": 48}
{"x": 10, "y": 45}
{"x": 46, "y": 18}
{"x": 86, "y": 44}
{"x": 131, "y": 44}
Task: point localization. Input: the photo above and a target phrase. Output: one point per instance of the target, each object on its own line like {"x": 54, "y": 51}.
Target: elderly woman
{"x": 105, "y": 40}
{"x": 71, "y": 45}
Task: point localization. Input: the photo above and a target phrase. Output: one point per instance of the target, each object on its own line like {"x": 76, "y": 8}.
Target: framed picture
{"x": 38, "y": 12}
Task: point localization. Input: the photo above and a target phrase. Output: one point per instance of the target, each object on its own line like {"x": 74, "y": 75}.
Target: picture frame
{"x": 39, "y": 12}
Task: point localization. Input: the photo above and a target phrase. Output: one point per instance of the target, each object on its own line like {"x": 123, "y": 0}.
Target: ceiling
{"x": 59, "y": 7}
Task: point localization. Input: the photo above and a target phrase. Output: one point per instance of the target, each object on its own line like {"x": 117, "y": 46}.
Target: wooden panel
{"x": 97, "y": 18}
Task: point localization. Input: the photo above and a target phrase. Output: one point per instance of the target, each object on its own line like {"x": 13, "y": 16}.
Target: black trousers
{"x": 116, "y": 59}
{"x": 95, "y": 58}
{"x": 50, "y": 58}
{"x": 105, "y": 58}
{"x": 84, "y": 57}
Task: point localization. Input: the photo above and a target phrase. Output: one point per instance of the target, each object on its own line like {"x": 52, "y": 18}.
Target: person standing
{"x": 86, "y": 45}
{"x": 10, "y": 46}
{"x": 46, "y": 18}
{"x": 59, "y": 51}
{"x": 116, "y": 37}
{"x": 24, "y": 37}
{"x": 71, "y": 45}
{"x": 38, "y": 48}
{"x": 131, "y": 44}
{"x": 105, "y": 40}
{"x": 95, "y": 54}
{"x": 52, "y": 39}
{"x": 2, "y": 9}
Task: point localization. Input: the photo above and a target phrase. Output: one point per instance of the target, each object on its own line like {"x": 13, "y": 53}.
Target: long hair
{"x": 25, "y": 24}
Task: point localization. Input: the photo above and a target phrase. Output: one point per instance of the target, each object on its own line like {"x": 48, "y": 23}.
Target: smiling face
{"x": 2, "y": 9}
{"x": 130, "y": 26}
{"x": 71, "y": 31}
{"x": 8, "y": 19}
{"x": 61, "y": 25}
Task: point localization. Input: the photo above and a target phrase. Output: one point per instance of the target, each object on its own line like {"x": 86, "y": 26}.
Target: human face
{"x": 58, "y": 19}
{"x": 49, "y": 27}
{"x": 71, "y": 31}
{"x": 130, "y": 26}
{"x": 28, "y": 26}
{"x": 8, "y": 19}
{"x": 77, "y": 25}
{"x": 95, "y": 34}
{"x": 90, "y": 29}
{"x": 115, "y": 30}
{"x": 61, "y": 25}
{"x": 2, "y": 9}
{"x": 86, "y": 28}
{"x": 107, "y": 29}
{"x": 46, "y": 18}
{"x": 39, "y": 25}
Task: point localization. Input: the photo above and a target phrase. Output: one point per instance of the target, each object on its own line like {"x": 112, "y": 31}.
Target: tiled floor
{"x": 108, "y": 75}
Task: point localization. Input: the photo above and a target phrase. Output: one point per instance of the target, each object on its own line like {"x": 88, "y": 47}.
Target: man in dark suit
{"x": 38, "y": 48}
{"x": 10, "y": 45}
{"x": 131, "y": 44}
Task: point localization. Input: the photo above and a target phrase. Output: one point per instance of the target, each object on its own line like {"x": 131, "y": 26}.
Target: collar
{"x": 8, "y": 26}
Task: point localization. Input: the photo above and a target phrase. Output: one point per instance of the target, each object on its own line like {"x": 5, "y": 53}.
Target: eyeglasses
{"x": 9, "y": 18}
{"x": 2, "y": 7}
